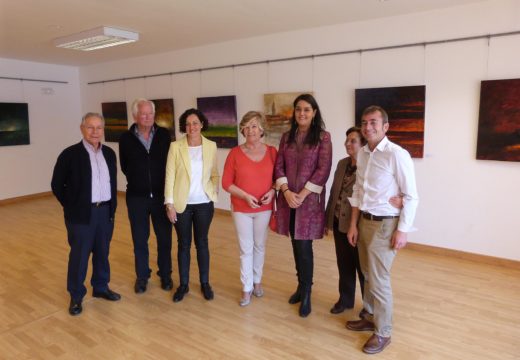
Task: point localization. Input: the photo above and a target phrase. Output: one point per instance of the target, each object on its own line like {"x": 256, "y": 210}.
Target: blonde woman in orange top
{"x": 248, "y": 177}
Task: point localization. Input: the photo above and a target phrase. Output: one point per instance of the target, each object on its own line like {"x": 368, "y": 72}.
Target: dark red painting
{"x": 499, "y": 120}
{"x": 405, "y": 107}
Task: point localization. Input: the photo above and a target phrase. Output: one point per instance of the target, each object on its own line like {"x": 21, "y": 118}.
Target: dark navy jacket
{"x": 72, "y": 182}
{"x": 145, "y": 171}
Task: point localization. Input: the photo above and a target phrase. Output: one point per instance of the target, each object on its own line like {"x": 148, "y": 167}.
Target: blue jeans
{"x": 197, "y": 217}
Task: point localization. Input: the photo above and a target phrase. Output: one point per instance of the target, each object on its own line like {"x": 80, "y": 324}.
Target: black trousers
{"x": 197, "y": 217}
{"x": 85, "y": 239}
{"x": 348, "y": 264}
{"x": 303, "y": 257}
{"x": 140, "y": 210}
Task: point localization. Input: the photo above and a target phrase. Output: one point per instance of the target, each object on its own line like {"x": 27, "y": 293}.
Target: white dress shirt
{"x": 385, "y": 172}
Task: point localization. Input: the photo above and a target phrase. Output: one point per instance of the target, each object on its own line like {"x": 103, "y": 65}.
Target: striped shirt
{"x": 100, "y": 174}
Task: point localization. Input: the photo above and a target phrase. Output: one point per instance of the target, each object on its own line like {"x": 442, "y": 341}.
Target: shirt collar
{"x": 136, "y": 130}
{"x": 90, "y": 147}
{"x": 380, "y": 147}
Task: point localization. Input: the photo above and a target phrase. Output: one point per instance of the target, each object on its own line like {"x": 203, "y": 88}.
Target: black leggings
{"x": 303, "y": 257}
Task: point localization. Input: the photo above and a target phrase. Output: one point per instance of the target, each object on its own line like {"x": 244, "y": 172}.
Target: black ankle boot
{"x": 305, "y": 306}
{"x": 296, "y": 297}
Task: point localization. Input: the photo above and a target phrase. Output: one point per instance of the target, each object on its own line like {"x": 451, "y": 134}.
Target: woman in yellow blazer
{"x": 191, "y": 187}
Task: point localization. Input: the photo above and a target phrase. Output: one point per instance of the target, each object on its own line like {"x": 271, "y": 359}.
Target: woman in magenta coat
{"x": 301, "y": 171}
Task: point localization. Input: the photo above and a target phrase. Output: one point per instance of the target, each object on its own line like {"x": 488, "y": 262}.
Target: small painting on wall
{"x": 165, "y": 115}
{"x": 278, "y": 109}
{"x": 405, "y": 106}
{"x": 499, "y": 120}
{"x": 116, "y": 120}
{"x": 221, "y": 112}
{"x": 14, "y": 124}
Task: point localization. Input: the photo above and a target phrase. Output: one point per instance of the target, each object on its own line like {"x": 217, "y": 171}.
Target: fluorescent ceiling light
{"x": 97, "y": 38}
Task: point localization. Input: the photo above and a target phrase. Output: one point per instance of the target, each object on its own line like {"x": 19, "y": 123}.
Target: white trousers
{"x": 252, "y": 235}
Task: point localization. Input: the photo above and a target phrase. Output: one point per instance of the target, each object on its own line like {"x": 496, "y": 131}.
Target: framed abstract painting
{"x": 116, "y": 120}
{"x": 221, "y": 112}
{"x": 499, "y": 120}
{"x": 405, "y": 106}
{"x": 14, "y": 124}
{"x": 165, "y": 115}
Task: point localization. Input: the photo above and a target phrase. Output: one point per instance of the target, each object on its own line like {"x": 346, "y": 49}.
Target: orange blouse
{"x": 254, "y": 177}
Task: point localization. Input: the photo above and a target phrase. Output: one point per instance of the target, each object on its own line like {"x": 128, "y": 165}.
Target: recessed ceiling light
{"x": 97, "y": 38}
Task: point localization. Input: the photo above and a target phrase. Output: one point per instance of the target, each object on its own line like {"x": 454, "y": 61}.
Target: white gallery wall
{"x": 466, "y": 204}
{"x": 54, "y": 118}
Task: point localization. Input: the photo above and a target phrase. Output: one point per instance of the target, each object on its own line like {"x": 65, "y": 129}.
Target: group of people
{"x": 370, "y": 210}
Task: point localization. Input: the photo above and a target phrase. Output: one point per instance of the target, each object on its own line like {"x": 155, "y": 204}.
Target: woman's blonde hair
{"x": 250, "y": 115}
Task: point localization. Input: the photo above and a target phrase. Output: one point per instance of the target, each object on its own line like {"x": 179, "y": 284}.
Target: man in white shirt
{"x": 384, "y": 169}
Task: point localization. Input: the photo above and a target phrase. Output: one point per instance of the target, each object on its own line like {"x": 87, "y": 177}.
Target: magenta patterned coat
{"x": 308, "y": 168}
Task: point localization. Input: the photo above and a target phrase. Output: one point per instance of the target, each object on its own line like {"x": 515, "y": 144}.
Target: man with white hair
{"x": 143, "y": 151}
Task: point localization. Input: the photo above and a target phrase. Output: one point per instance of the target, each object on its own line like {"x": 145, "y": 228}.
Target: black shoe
{"x": 107, "y": 295}
{"x": 207, "y": 291}
{"x": 296, "y": 297}
{"x": 75, "y": 307}
{"x": 305, "y": 306}
{"x": 337, "y": 308}
{"x": 140, "y": 286}
{"x": 166, "y": 283}
{"x": 180, "y": 292}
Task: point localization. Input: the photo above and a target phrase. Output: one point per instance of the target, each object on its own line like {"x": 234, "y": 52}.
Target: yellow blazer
{"x": 178, "y": 172}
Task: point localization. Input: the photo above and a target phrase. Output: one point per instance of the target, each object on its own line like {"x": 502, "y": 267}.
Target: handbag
{"x": 273, "y": 221}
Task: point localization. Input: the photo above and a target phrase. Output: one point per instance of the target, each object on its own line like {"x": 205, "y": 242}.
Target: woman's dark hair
{"x": 358, "y": 131}
{"x": 317, "y": 124}
{"x": 203, "y": 119}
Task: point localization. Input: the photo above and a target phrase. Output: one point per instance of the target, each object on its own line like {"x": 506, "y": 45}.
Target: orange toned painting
{"x": 405, "y": 107}
{"x": 165, "y": 115}
{"x": 499, "y": 120}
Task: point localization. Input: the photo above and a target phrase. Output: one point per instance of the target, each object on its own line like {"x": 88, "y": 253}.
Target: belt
{"x": 101, "y": 203}
{"x": 369, "y": 216}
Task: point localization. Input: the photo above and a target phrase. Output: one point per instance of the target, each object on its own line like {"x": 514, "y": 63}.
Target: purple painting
{"x": 221, "y": 112}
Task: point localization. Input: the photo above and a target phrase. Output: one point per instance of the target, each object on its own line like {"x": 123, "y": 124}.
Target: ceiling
{"x": 28, "y": 27}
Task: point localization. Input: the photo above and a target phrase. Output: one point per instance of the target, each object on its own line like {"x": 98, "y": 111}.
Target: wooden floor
{"x": 445, "y": 308}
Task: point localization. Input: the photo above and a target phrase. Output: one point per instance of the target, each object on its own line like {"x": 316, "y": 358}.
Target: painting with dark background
{"x": 221, "y": 112}
{"x": 14, "y": 124}
{"x": 165, "y": 115}
{"x": 405, "y": 106}
{"x": 116, "y": 120}
{"x": 499, "y": 120}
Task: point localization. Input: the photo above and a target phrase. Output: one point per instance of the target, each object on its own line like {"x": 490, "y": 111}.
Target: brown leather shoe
{"x": 360, "y": 325}
{"x": 363, "y": 314}
{"x": 375, "y": 344}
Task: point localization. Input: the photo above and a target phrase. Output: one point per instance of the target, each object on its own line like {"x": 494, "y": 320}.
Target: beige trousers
{"x": 376, "y": 257}
{"x": 252, "y": 236}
